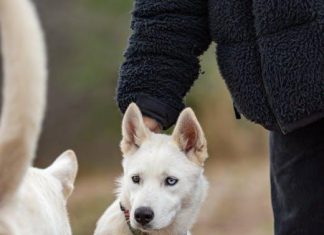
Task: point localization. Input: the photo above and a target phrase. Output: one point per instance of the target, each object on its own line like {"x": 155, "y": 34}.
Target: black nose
{"x": 144, "y": 215}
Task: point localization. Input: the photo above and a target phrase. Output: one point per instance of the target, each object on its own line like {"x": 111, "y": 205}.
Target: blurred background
{"x": 86, "y": 39}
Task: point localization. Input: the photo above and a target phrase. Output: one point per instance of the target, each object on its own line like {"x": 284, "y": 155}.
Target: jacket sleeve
{"x": 161, "y": 61}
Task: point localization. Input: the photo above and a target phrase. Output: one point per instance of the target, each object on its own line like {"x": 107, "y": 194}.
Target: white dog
{"x": 163, "y": 185}
{"x": 32, "y": 201}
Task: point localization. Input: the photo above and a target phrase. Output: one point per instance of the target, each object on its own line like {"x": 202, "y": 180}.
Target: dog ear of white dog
{"x": 190, "y": 137}
{"x": 65, "y": 169}
{"x": 134, "y": 130}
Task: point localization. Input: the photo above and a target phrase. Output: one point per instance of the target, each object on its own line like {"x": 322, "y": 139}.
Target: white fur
{"x": 39, "y": 205}
{"x": 32, "y": 201}
{"x": 154, "y": 157}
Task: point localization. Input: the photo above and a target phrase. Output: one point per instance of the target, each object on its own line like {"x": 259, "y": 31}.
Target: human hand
{"x": 152, "y": 124}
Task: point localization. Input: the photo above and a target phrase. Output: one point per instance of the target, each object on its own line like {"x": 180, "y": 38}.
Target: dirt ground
{"x": 238, "y": 201}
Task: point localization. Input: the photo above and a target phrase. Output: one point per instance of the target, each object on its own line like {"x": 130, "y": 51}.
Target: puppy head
{"x": 64, "y": 169}
{"x": 162, "y": 174}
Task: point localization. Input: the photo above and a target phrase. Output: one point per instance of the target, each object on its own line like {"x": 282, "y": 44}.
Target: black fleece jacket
{"x": 270, "y": 53}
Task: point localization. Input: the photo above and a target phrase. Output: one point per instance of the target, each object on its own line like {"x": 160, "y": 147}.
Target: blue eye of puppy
{"x": 136, "y": 179}
{"x": 171, "y": 181}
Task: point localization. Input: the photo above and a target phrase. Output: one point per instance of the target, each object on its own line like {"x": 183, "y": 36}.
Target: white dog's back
{"x": 37, "y": 208}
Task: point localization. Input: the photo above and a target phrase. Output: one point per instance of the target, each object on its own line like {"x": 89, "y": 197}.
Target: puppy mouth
{"x": 149, "y": 228}
{"x": 144, "y": 228}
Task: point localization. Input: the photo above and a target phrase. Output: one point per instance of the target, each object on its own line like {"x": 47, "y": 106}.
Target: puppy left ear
{"x": 134, "y": 130}
{"x": 190, "y": 137}
{"x": 65, "y": 169}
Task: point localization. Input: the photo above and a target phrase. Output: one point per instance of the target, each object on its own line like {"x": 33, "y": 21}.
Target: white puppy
{"x": 32, "y": 201}
{"x": 163, "y": 185}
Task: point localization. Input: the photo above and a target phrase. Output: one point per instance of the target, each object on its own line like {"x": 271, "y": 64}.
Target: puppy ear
{"x": 65, "y": 169}
{"x": 190, "y": 137}
{"x": 134, "y": 130}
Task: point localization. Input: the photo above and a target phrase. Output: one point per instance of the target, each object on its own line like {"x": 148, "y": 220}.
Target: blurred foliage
{"x": 86, "y": 40}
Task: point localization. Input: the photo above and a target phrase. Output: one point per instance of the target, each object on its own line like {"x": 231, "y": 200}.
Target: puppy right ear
{"x": 190, "y": 138}
{"x": 134, "y": 130}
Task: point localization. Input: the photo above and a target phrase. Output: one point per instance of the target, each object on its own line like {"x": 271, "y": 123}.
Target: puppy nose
{"x": 144, "y": 215}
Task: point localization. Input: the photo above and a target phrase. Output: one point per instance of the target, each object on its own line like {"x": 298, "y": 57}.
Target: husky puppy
{"x": 32, "y": 201}
{"x": 163, "y": 185}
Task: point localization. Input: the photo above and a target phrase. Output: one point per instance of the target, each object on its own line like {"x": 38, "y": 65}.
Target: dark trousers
{"x": 297, "y": 180}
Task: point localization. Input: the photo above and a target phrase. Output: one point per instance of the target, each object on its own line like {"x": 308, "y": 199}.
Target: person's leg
{"x": 297, "y": 180}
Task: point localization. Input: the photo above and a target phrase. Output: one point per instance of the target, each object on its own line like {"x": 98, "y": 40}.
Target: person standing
{"x": 271, "y": 56}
